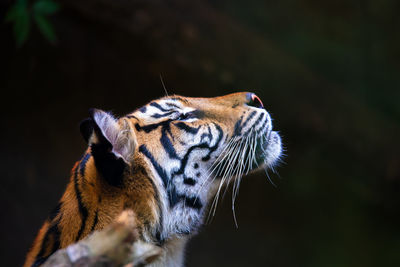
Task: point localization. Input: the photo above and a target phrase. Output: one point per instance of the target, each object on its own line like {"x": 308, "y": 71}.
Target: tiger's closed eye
{"x": 186, "y": 116}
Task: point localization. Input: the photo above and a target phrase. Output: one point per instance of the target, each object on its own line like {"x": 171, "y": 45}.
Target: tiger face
{"x": 167, "y": 162}
{"x": 192, "y": 147}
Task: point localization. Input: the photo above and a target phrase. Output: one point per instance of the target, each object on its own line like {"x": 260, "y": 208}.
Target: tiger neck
{"x": 91, "y": 203}
{"x": 183, "y": 197}
{"x": 164, "y": 210}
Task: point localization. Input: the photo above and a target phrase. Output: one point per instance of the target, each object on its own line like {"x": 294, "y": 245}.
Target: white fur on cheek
{"x": 274, "y": 149}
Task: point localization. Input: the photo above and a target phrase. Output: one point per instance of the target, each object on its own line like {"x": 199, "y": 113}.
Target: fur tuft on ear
{"x": 112, "y": 144}
{"x": 118, "y": 134}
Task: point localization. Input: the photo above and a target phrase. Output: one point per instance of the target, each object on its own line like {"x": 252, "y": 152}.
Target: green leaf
{"x": 45, "y": 28}
{"x": 47, "y": 7}
{"x": 21, "y": 25}
{"x": 19, "y": 9}
{"x": 19, "y": 15}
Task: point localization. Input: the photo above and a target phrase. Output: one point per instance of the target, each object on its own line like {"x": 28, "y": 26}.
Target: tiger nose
{"x": 253, "y": 100}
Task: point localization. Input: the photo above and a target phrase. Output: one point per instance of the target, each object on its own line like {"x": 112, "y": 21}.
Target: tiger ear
{"x": 112, "y": 143}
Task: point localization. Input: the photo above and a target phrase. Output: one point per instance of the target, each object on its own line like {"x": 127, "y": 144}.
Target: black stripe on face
{"x": 157, "y": 115}
{"x": 173, "y": 197}
{"x": 189, "y": 181}
{"x": 143, "y": 109}
{"x": 260, "y": 117}
{"x": 172, "y": 105}
{"x": 204, "y": 135}
{"x": 151, "y": 127}
{"x": 166, "y": 143}
{"x": 160, "y": 171}
{"x": 156, "y": 105}
{"x": 164, "y": 177}
{"x": 193, "y": 202}
{"x": 249, "y": 118}
{"x": 212, "y": 149}
{"x": 187, "y": 128}
{"x": 238, "y": 127}
{"x": 256, "y": 123}
{"x": 82, "y": 209}
{"x": 201, "y": 146}
{"x": 159, "y": 240}
{"x": 165, "y": 128}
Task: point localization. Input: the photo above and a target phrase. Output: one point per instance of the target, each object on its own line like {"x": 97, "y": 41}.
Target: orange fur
{"x": 137, "y": 195}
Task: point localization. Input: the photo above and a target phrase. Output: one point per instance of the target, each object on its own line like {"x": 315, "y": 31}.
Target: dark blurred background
{"x": 328, "y": 72}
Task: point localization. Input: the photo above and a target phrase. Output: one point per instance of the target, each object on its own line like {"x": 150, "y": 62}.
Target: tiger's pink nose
{"x": 254, "y": 101}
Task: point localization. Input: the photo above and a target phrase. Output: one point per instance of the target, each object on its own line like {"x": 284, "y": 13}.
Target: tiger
{"x": 168, "y": 162}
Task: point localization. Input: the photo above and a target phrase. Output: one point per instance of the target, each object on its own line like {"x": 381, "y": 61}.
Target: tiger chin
{"x": 166, "y": 161}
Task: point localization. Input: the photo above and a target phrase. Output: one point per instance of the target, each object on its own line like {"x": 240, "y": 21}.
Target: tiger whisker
{"x": 226, "y": 176}
{"x": 215, "y": 166}
{"x": 235, "y": 172}
{"x": 227, "y": 173}
{"x": 240, "y": 173}
{"x": 236, "y": 160}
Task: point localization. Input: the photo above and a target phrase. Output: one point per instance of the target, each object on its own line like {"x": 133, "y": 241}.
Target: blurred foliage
{"x": 21, "y": 14}
{"x": 350, "y": 42}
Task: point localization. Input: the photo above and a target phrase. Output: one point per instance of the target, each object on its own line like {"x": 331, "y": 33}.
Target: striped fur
{"x": 166, "y": 161}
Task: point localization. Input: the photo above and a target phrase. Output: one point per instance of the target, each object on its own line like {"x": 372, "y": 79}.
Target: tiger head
{"x": 190, "y": 147}
{"x": 166, "y": 162}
